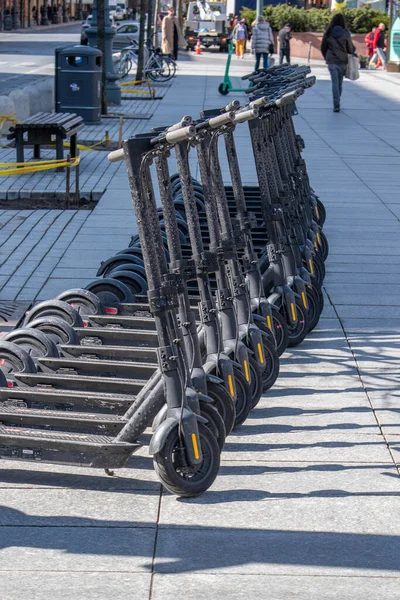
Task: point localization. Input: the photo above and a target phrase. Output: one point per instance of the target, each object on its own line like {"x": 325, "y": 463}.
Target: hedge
{"x": 358, "y": 20}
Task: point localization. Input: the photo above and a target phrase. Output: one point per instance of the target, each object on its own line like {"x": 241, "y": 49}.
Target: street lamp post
{"x": 43, "y": 14}
{"x": 14, "y": 15}
{"x": 64, "y": 11}
{"x": 260, "y": 6}
{"x": 79, "y": 14}
{"x": 113, "y": 90}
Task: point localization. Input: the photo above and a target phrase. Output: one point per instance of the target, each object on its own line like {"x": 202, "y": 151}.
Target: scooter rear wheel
{"x": 175, "y": 476}
{"x": 243, "y": 397}
{"x": 34, "y": 342}
{"x": 224, "y": 403}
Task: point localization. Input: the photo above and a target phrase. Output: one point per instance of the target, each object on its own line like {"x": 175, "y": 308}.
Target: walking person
{"x": 172, "y": 37}
{"x": 285, "y": 35}
{"x": 335, "y": 47}
{"x": 262, "y": 41}
{"x": 369, "y": 42}
{"x": 240, "y": 36}
{"x": 379, "y": 44}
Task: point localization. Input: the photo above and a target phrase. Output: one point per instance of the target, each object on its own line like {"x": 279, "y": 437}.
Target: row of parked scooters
{"x": 181, "y": 331}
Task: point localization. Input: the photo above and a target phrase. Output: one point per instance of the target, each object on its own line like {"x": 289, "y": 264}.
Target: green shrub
{"x": 358, "y": 20}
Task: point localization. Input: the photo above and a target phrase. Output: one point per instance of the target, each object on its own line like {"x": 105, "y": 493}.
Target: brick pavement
{"x": 306, "y": 502}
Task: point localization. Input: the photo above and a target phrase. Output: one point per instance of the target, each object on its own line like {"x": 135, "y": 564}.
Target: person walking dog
{"x": 240, "y": 36}
{"x": 172, "y": 37}
{"x": 335, "y": 46}
{"x": 262, "y": 41}
{"x": 285, "y": 36}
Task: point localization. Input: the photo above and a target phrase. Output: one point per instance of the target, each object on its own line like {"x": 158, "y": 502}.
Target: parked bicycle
{"x": 157, "y": 67}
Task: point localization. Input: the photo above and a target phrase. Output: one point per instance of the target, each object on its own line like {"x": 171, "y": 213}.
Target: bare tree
{"x": 140, "y": 63}
{"x": 101, "y": 44}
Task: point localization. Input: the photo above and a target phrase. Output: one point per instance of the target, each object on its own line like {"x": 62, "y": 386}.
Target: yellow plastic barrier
{"x": 43, "y": 165}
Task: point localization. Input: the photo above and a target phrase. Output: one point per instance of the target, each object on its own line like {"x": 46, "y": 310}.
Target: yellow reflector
{"x": 304, "y": 298}
{"x": 310, "y": 262}
{"x": 293, "y": 311}
{"x": 246, "y": 370}
{"x": 195, "y": 446}
{"x": 260, "y": 353}
{"x": 231, "y": 386}
{"x": 318, "y": 238}
{"x": 317, "y": 212}
{"x": 269, "y": 322}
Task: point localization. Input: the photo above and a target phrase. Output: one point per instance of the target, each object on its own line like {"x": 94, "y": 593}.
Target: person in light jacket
{"x": 240, "y": 36}
{"x": 262, "y": 41}
{"x": 172, "y": 37}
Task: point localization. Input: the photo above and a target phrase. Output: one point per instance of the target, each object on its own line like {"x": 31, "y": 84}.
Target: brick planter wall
{"x": 300, "y": 42}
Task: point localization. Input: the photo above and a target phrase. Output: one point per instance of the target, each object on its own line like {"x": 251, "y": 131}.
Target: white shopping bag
{"x": 352, "y": 68}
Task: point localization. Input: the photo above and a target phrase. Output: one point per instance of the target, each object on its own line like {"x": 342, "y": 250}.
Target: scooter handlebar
{"x": 116, "y": 155}
{"x": 234, "y": 105}
{"x": 180, "y": 135}
{"x": 221, "y": 120}
{"x": 246, "y": 115}
{"x": 184, "y": 122}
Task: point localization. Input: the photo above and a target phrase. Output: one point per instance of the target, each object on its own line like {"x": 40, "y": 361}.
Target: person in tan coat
{"x": 172, "y": 37}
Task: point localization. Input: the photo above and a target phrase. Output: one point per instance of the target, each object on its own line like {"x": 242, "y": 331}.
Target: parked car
{"x": 86, "y": 24}
{"x": 127, "y": 33}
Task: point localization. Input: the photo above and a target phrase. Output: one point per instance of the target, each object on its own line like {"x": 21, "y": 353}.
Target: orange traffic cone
{"x": 198, "y": 48}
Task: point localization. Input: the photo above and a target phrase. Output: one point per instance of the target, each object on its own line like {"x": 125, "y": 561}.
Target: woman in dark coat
{"x": 335, "y": 47}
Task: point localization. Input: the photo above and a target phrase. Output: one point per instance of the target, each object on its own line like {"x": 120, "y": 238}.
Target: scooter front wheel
{"x": 298, "y": 332}
{"x": 256, "y": 385}
{"x": 174, "y": 473}
{"x": 243, "y": 397}
{"x": 224, "y": 404}
{"x": 223, "y": 89}
{"x": 281, "y": 331}
{"x": 314, "y": 307}
{"x": 215, "y": 423}
{"x": 271, "y": 371}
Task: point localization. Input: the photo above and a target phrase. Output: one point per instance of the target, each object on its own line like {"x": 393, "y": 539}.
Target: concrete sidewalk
{"x": 306, "y": 504}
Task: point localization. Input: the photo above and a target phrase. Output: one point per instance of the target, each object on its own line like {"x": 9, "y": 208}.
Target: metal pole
{"x": 155, "y": 30}
{"x": 79, "y": 15}
{"x": 14, "y": 15}
{"x": 100, "y": 35}
{"x": 140, "y": 63}
{"x": 64, "y": 11}
{"x": 260, "y": 7}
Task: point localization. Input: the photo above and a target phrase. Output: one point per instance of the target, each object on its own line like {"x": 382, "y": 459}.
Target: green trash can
{"x": 78, "y": 82}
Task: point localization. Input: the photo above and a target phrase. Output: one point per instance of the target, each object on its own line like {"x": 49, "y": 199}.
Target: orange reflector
{"x": 231, "y": 386}
{"x": 260, "y": 353}
{"x": 195, "y": 446}
{"x": 293, "y": 309}
{"x": 246, "y": 370}
{"x": 304, "y": 298}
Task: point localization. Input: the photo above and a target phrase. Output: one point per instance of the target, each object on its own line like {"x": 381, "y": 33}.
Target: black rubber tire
{"x": 167, "y": 467}
{"x": 84, "y": 301}
{"x": 110, "y": 291}
{"x": 223, "y": 403}
{"x": 3, "y": 379}
{"x": 322, "y": 213}
{"x": 314, "y": 308}
{"x": 271, "y": 371}
{"x": 14, "y": 359}
{"x": 215, "y": 422}
{"x": 299, "y": 332}
{"x": 223, "y": 90}
{"x": 319, "y": 271}
{"x": 256, "y": 384}
{"x": 133, "y": 280}
{"x": 281, "y": 331}
{"x": 115, "y": 261}
{"x": 55, "y": 308}
{"x": 324, "y": 246}
{"x": 56, "y": 329}
{"x": 243, "y": 397}
{"x": 36, "y": 343}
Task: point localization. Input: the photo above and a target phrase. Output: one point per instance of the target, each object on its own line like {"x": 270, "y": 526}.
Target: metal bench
{"x": 40, "y": 129}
